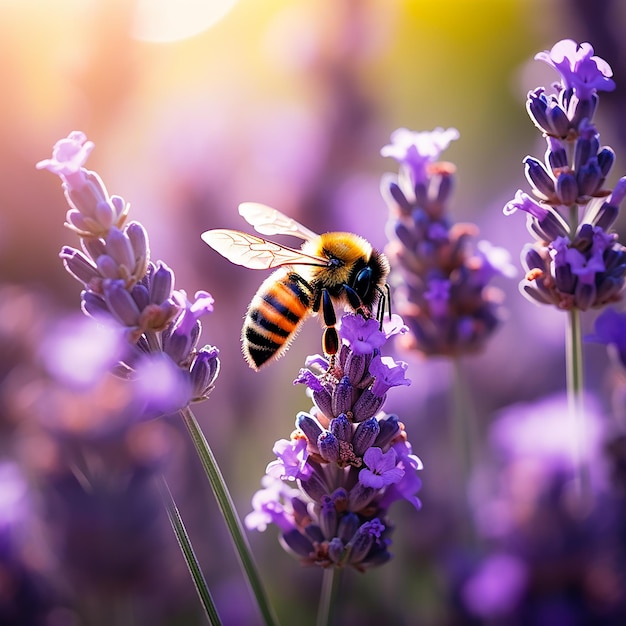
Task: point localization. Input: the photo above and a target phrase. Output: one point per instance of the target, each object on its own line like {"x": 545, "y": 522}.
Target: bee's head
{"x": 368, "y": 278}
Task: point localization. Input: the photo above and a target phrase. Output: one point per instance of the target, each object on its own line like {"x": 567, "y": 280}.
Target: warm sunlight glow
{"x": 172, "y": 20}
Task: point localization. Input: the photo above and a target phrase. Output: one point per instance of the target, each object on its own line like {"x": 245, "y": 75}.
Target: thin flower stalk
{"x": 178, "y": 526}
{"x": 576, "y": 262}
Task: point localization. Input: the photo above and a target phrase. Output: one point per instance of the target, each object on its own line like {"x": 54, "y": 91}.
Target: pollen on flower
{"x": 534, "y": 274}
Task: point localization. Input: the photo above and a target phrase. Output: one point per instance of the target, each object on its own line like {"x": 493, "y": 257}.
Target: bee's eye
{"x": 363, "y": 282}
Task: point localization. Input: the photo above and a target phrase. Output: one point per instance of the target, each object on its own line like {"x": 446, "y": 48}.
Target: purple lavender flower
{"x": 610, "y": 330}
{"x": 547, "y": 555}
{"x": 123, "y": 288}
{"x": 349, "y": 459}
{"x": 442, "y": 289}
{"x": 580, "y": 71}
{"x": 577, "y": 262}
{"x": 417, "y": 151}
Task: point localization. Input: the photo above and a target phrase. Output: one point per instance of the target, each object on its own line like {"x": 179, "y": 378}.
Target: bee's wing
{"x": 255, "y": 252}
{"x": 269, "y": 221}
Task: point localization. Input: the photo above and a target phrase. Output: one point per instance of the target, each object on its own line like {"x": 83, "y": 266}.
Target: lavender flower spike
{"x": 576, "y": 263}
{"x": 437, "y": 271}
{"x": 122, "y": 286}
{"x": 349, "y": 459}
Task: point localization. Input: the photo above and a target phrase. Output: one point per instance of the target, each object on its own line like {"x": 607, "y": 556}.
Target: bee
{"x": 328, "y": 270}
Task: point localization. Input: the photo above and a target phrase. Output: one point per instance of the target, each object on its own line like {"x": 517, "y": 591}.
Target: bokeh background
{"x": 195, "y": 107}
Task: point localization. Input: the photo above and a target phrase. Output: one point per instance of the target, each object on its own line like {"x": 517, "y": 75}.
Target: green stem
{"x": 464, "y": 442}
{"x": 227, "y": 506}
{"x": 574, "y": 373}
{"x": 190, "y": 557}
{"x": 328, "y": 595}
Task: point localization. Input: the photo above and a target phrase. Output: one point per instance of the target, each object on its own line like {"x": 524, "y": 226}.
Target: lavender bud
{"x": 539, "y": 178}
{"x": 566, "y": 188}
{"x": 354, "y": 367}
{"x": 119, "y": 247}
{"x": 328, "y": 517}
{"x": 360, "y": 496}
{"x": 580, "y": 110}
{"x": 297, "y": 542}
{"x": 93, "y": 247}
{"x": 138, "y": 238}
{"x": 328, "y": 445}
{"x": 94, "y": 305}
{"x": 556, "y": 154}
{"x": 108, "y": 267}
{"x": 121, "y": 303}
{"x": 161, "y": 283}
{"x": 140, "y": 296}
{"x": 393, "y": 194}
{"x": 314, "y": 486}
{"x": 79, "y": 266}
{"x": 204, "y": 371}
{"x": 537, "y": 107}
{"x": 365, "y": 435}
{"x": 605, "y": 216}
{"x": 341, "y": 427}
{"x": 324, "y": 402}
{"x": 558, "y": 121}
{"x": 336, "y": 551}
{"x": 590, "y": 178}
{"x": 606, "y": 158}
{"x": 342, "y": 397}
{"x": 309, "y": 426}
{"x": 367, "y": 405}
{"x": 389, "y": 428}
{"x": 348, "y": 525}
{"x": 360, "y": 544}
{"x": 445, "y": 188}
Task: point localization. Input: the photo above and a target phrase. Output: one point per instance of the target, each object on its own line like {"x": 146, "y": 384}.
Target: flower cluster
{"x": 349, "y": 460}
{"x": 576, "y": 261}
{"x": 125, "y": 289}
{"x": 441, "y": 279}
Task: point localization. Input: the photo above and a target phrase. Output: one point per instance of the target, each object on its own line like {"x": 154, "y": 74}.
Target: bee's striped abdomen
{"x": 274, "y": 316}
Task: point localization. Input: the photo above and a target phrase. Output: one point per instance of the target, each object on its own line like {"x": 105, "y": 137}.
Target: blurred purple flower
{"x": 497, "y": 587}
{"x": 610, "y": 330}
{"x": 542, "y": 431}
{"x": 79, "y": 351}
{"x": 161, "y": 387}
{"x": 416, "y": 151}
{"x": 437, "y": 273}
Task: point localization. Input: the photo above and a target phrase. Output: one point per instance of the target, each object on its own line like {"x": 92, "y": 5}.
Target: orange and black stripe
{"x": 273, "y": 317}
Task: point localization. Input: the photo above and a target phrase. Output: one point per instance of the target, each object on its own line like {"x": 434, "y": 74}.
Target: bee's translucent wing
{"x": 255, "y": 252}
{"x": 269, "y": 221}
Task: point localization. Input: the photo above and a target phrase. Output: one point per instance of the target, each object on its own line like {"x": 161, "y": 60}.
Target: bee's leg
{"x": 353, "y": 297}
{"x": 330, "y": 339}
{"x": 384, "y": 299}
